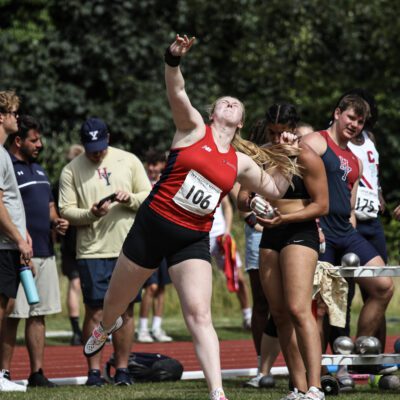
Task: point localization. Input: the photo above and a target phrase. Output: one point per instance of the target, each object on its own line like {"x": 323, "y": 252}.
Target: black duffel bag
{"x": 148, "y": 367}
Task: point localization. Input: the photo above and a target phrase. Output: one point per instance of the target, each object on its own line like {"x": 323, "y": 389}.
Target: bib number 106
{"x": 198, "y": 197}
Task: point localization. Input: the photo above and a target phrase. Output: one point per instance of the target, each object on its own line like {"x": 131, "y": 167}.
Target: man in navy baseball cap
{"x": 94, "y": 135}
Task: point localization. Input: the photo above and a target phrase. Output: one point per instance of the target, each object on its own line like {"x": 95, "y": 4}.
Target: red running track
{"x": 69, "y": 361}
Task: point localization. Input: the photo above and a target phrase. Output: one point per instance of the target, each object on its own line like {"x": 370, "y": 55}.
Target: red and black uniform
{"x": 175, "y": 220}
{"x": 193, "y": 183}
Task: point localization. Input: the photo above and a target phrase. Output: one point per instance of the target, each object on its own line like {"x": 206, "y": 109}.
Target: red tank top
{"x": 193, "y": 183}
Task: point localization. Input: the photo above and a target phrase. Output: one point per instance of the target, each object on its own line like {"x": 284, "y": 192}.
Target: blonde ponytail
{"x": 278, "y": 156}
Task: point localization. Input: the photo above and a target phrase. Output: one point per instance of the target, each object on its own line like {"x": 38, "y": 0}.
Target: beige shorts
{"x": 48, "y": 288}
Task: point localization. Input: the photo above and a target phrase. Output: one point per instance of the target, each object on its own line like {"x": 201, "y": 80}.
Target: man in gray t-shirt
{"x": 12, "y": 201}
{"x": 13, "y": 235}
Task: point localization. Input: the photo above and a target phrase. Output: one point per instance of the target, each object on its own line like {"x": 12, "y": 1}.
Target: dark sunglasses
{"x": 14, "y": 113}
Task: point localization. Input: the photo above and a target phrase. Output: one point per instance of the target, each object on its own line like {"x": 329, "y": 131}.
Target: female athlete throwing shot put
{"x": 175, "y": 220}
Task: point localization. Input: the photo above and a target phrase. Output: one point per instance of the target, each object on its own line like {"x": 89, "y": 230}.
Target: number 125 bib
{"x": 197, "y": 194}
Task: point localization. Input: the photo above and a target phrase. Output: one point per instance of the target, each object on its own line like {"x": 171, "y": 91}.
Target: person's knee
{"x": 298, "y": 312}
{"x": 381, "y": 290}
{"x": 151, "y": 290}
{"x": 198, "y": 316}
{"x": 36, "y": 321}
{"x": 387, "y": 292}
{"x": 75, "y": 285}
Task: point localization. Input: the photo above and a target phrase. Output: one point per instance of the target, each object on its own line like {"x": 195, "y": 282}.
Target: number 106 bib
{"x": 197, "y": 194}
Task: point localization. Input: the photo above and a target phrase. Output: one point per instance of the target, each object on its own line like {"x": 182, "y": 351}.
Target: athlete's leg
{"x": 271, "y": 280}
{"x": 298, "y": 265}
{"x": 270, "y": 350}
{"x": 260, "y": 309}
{"x": 379, "y": 292}
{"x": 193, "y": 282}
{"x": 123, "y": 339}
{"x": 126, "y": 281}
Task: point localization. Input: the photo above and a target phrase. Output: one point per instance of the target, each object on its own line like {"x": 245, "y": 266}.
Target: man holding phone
{"x": 102, "y": 171}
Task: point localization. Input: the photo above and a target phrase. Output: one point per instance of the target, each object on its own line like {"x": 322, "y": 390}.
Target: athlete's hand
{"x": 181, "y": 45}
{"x": 261, "y": 207}
{"x": 276, "y": 220}
{"x": 289, "y": 138}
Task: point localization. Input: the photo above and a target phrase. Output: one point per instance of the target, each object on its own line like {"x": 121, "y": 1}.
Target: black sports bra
{"x": 297, "y": 190}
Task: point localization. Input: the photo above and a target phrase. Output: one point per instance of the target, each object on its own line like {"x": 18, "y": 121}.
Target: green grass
{"x": 182, "y": 390}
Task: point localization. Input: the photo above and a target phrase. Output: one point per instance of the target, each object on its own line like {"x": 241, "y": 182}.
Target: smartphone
{"x": 111, "y": 197}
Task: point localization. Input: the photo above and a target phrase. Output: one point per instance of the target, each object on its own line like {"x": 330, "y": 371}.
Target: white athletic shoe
{"x": 144, "y": 337}
{"x": 247, "y": 324}
{"x": 254, "y": 382}
{"x": 99, "y": 337}
{"x": 218, "y": 394}
{"x": 314, "y": 394}
{"x": 159, "y": 335}
{"x": 8, "y": 386}
{"x": 294, "y": 395}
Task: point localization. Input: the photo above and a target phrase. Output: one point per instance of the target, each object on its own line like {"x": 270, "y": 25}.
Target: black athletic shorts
{"x": 69, "y": 265}
{"x": 300, "y": 233}
{"x": 10, "y": 261}
{"x": 152, "y": 238}
{"x": 270, "y": 327}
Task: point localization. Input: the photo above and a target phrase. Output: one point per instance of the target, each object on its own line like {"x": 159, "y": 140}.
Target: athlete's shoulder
{"x": 315, "y": 141}
{"x": 307, "y": 152}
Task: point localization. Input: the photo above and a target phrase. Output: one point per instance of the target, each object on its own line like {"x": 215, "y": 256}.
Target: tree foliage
{"x": 72, "y": 59}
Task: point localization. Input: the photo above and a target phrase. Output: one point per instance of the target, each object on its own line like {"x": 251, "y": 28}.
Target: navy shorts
{"x": 300, "y": 233}
{"x": 353, "y": 242}
{"x": 10, "y": 260}
{"x": 95, "y": 275}
{"x": 372, "y": 230}
{"x": 153, "y": 238}
{"x": 160, "y": 277}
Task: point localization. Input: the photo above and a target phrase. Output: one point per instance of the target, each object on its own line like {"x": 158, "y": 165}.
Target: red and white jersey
{"x": 193, "y": 183}
{"x": 367, "y": 204}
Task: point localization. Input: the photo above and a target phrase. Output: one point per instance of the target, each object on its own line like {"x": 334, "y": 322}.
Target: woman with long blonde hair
{"x": 289, "y": 250}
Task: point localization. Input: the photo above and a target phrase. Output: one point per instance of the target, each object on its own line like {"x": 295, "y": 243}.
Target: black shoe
{"x": 122, "y": 377}
{"x": 94, "y": 378}
{"x": 76, "y": 339}
{"x": 37, "y": 379}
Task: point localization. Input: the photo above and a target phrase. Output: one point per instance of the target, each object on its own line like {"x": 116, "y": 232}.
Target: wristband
{"x": 251, "y": 220}
{"x": 170, "y": 59}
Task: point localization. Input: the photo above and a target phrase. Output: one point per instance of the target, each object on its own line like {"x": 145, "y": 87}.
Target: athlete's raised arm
{"x": 186, "y": 118}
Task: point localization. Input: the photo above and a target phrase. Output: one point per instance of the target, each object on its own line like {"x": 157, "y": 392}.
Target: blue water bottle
{"x": 29, "y": 285}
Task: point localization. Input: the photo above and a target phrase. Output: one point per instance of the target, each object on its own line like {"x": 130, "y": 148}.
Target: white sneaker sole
{"x": 88, "y": 349}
